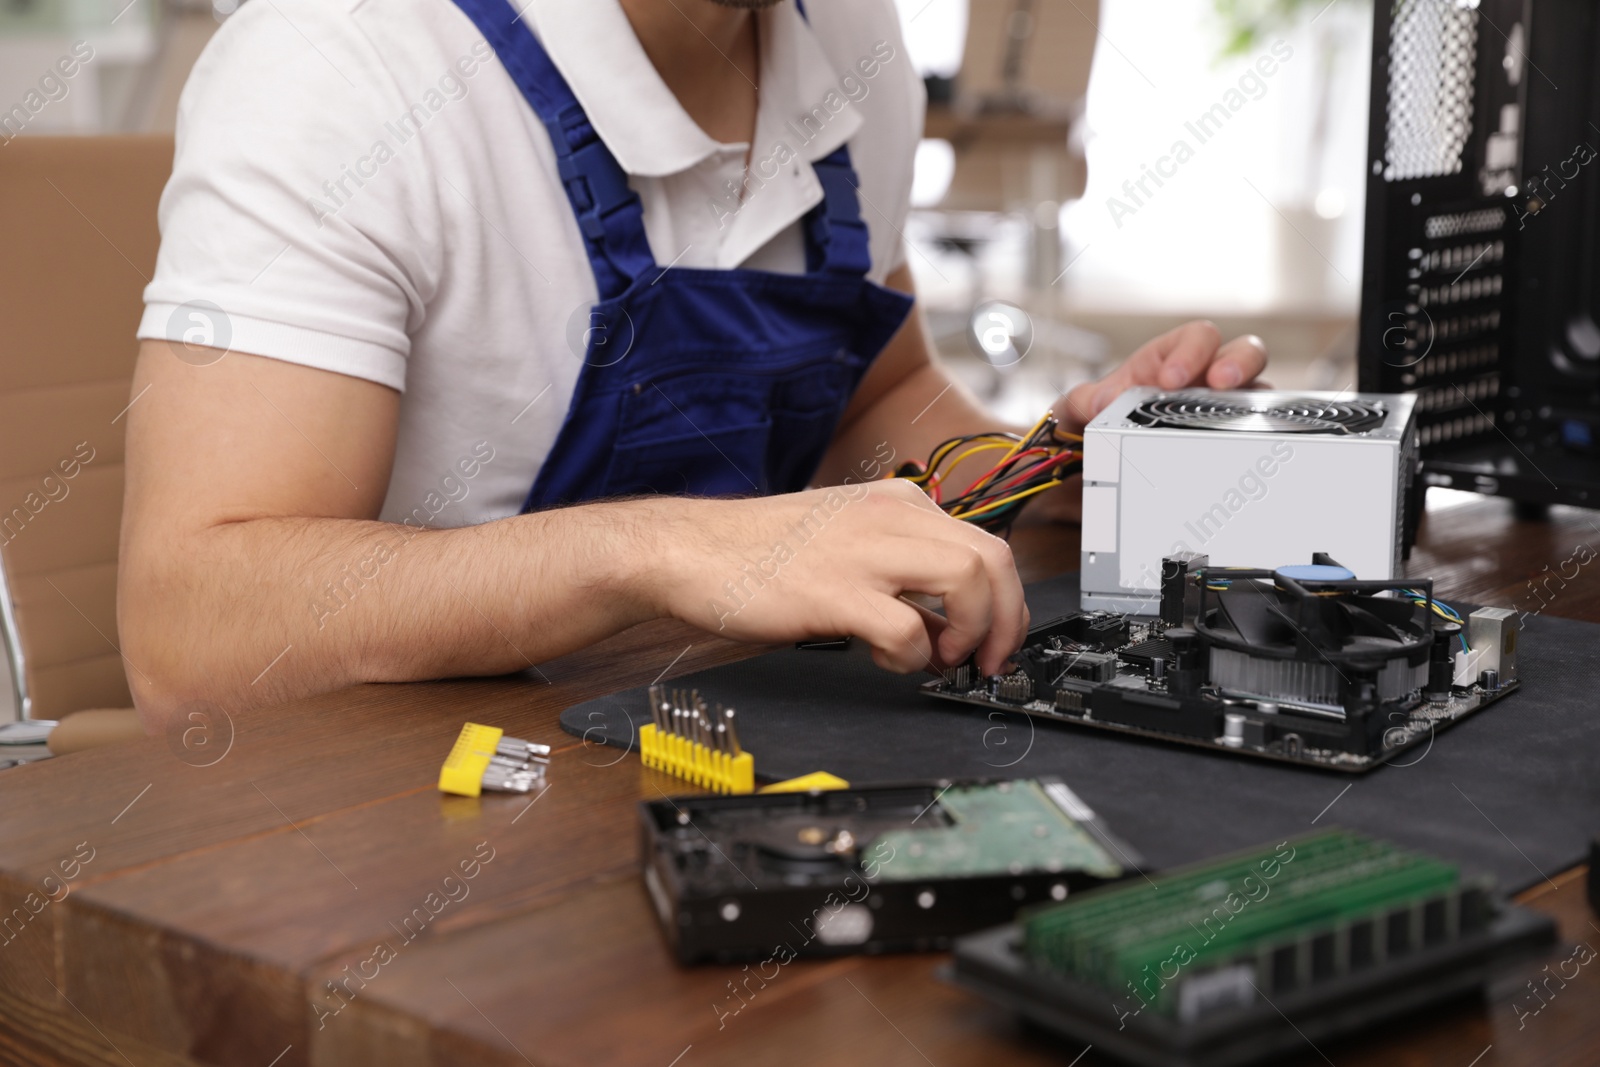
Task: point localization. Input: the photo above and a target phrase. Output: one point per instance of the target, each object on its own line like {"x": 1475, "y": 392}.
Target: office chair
{"x": 79, "y": 214}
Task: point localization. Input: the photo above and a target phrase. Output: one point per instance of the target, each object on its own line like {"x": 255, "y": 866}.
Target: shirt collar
{"x": 803, "y": 104}
{"x": 593, "y": 45}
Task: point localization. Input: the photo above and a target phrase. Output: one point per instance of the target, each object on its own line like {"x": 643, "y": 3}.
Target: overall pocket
{"x": 805, "y": 410}
{"x": 700, "y": 434}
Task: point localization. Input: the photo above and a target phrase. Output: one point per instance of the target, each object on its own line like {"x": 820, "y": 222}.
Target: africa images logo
{"x": 200, "y": 332}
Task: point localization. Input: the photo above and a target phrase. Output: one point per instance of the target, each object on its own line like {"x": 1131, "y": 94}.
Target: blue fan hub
{"x": 1314, "y": 572}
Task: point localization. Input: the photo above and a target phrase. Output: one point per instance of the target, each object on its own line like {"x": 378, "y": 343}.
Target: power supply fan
{"x": 1308, "y": 643}
{"x": 1198, "y": 411}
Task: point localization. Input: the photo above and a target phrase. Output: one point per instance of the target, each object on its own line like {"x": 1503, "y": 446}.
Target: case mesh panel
{"x": 1432, "y": 59}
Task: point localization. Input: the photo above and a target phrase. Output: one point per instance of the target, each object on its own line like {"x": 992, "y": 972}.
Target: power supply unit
{"x": 1255, "y": 479}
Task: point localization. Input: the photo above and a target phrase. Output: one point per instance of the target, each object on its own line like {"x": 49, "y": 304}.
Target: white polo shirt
{"x": 361, "y": 188}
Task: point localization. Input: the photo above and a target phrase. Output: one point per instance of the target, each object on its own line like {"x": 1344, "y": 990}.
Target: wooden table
{"x": 224, "y": 903}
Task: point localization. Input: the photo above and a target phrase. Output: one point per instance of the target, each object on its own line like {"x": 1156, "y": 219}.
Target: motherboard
{"x": 1304, "y": 664}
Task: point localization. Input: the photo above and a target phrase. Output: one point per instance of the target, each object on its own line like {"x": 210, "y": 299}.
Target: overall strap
{"x": 837, "y": 241}
{"x": 836, "y": 237}
{"x": 609, "y": 213}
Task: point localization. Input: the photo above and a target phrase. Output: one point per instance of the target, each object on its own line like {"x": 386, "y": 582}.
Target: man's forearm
{"x": 255, "y": 612}
{"x": 923, "y": 409}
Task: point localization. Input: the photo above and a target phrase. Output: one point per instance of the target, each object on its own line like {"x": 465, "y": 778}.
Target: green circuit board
{"x": 1000, "y": 828}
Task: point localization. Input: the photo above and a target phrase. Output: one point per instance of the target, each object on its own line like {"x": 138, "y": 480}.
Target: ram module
{"x": 1204, "y": 965}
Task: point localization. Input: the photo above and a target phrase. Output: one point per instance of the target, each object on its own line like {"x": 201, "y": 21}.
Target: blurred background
{"x": 1092, "y": 174}
{"x": 1043, "y": 111}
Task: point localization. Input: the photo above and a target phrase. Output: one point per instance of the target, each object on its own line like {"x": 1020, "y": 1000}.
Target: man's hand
{"x": 908, "y": 403}
{"x": 837, "y": 561}
{"x": 1192, "y": 354}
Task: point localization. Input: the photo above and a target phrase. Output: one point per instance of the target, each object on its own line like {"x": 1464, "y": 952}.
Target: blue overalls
{"x": 735, "y": 380}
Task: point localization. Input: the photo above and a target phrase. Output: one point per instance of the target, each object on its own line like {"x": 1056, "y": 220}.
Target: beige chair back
{"x": 1060, "y": 43}
{"x": 1011, "y": 162}
{"x": 78, "y": 219}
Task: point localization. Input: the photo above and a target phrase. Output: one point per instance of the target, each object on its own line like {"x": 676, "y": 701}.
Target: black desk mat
{"x": 1513, "y": 791}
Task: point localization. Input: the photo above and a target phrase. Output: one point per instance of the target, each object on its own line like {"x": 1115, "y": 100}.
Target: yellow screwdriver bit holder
{"x": 720, "y": 772}
{"x": 690, "y": 740}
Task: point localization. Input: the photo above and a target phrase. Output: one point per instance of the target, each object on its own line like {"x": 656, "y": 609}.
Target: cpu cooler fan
{"x": 1313, "y": 635}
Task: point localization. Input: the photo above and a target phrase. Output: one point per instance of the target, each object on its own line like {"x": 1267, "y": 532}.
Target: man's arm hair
{"x": 253, "y": 568}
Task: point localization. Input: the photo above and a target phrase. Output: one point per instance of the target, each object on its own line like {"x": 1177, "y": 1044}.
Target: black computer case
{"x": 1481, "y": 290}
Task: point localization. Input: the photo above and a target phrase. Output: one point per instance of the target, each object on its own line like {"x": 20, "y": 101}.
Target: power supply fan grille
{"x": 1297, "y": 415}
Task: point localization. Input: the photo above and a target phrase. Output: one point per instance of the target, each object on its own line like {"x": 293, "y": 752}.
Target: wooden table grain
{"x": 288, "y": 888}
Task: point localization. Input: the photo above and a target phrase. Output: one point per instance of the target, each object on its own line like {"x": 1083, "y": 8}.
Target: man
{"x": 479, "y": 334}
